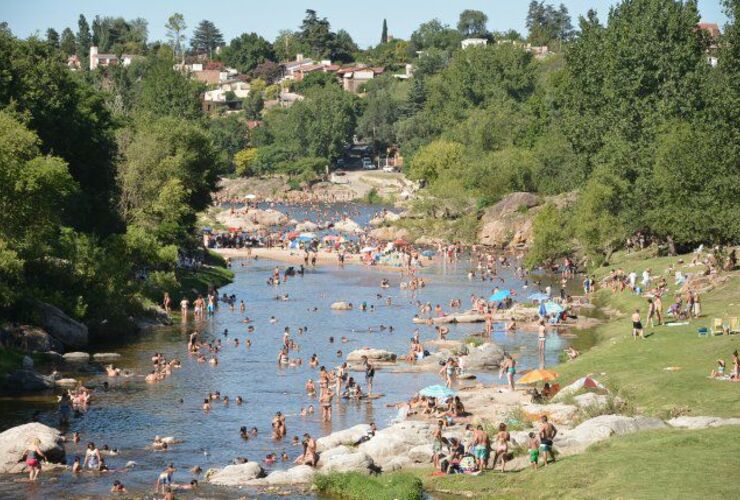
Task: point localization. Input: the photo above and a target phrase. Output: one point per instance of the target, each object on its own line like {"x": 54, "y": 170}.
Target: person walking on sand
{"x": 637, "y": 329}
{"x": 33, "y": 453}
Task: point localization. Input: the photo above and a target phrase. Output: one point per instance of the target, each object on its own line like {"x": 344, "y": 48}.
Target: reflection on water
{"x": 131, "y": 413}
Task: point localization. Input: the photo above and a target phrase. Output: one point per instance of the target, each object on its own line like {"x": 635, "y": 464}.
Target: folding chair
{"x": 717, "y": 328}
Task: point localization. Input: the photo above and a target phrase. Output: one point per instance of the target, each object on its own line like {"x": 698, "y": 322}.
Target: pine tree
{"x": 83, "y": 41}
{"x": 206, "y": 38}
{"x": 384, "y": 33}
{"x": 68, "y": 44}
{"x": 52, "y": 37}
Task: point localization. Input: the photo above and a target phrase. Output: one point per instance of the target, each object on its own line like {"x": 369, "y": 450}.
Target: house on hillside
{"x": 226, "y": 96}
{"x": 104, "y": 60}
{"x": 473, "y": 42}
{"x": 354, "y": 77}
{"x": 712, "y": 30}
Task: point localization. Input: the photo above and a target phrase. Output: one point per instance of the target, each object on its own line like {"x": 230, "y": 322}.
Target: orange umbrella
{"x": 537, "y": 376}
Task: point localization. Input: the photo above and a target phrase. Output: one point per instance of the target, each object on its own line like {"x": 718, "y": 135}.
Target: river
{"x": 131, "y": 412}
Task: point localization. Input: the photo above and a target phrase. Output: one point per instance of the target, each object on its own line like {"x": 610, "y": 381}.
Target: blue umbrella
{"x": 499, "y": 296}
{"x": 539, "y": 297}
{"x": 437, "y": 391}
{"x": 428, "y": 253}
{"x": 553, "y": 308}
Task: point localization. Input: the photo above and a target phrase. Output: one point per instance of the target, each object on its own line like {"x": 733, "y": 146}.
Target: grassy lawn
{"x": 654, "y": 464}
{"x": 213, "y": 273}
{"x": 356, "y": 486}
{"x": 636, "y": 369}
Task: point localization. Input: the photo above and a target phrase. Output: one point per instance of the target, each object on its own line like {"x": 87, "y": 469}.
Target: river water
{"x": 131, "y": 412}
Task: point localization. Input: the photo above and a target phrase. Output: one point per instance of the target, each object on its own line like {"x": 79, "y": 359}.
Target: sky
{"x": 361, "y": 18}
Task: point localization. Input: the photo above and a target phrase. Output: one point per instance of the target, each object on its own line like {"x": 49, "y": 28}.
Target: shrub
{"x": 356, "y": 486}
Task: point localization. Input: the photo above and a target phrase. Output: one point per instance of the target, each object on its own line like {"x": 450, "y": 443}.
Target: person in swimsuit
{"x": 164, "y": 480}
{"x": 93, "y": 460}
{"x": 369, "y": 374}
{"x": 508, "y": 367}
{"x": 325, "y": 402}
{"x": 437, "y": 444}
{"x": 637, "y": 329}
{"x": 547, "y": 435}
{"x": 449, "y": 371}
{"x": 481, "y": 446}
{"x": 33, "y": 453}
{"x": 502, "y": 446}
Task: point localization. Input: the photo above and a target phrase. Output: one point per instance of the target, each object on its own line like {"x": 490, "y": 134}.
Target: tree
{"x": 316, "y": 34}
{"x": 550, "y": 237}
{"x": 163, "y": 91}
{"x": 175, "y": 32}
{"x": 52, "y": 38}
{"x": 83, "y": 41}
{"x": 439, "y": 159}
{"x": 472, "y": 23}
{"x": 68, "y": 44}
{"x": 247, "y": 51}
{"x": 315, "y": 79}
{"x": 268, "y": 71}
{"x": 206, "y": 38}
{"x": 434, "y": 34}
{"x": 384, "y": 32}
{"x": 288, "y": 44}
{"x": 244, "y": 162}
{"x": 547, "y": 24}
{"x": 343, "y": 47}
{"x": 229, "y": 135}
{"x": 253, "y": 105}
{"x": 378, "y": 119}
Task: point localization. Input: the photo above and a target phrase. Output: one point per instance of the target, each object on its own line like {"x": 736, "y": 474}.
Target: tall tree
{"x": 83, "y": 41}
{"x": 68, "y": 44}
{"x": 52, "y": 38}
{"x": 176, "y": 32}
{"x": 547, "y": 24}
{"x": 384, "y": 32}
{"x": 206, "y": 38}
{"x": 163, "y": 91}
{"x": 247, "y": 51}
{"x": 472, "y": 23}
{"x": 315, "y": 32}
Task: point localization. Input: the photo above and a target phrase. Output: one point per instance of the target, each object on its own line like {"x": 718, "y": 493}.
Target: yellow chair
{"x": 734, "y": 327}
{"x": 717, "y": 328}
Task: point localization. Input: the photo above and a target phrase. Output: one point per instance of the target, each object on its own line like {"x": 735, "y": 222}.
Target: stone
{"x": 299, "y": 475}
{"x": 487, "y": 356}
{"x": 558, "y": 413}
{"x": 306, "y": 226}
{"x": 373, "y": 355}
{"x": 604, "y": 426}
{"x": 343, "y": 437}
{"x": 349, "y": 462}
{"x": 396, "y": 440}
{"x": 347, "y": 226}
{"x": 66, "y": 382}
{"x": 33, "y": 338}
{"x": 25, "y": 380}
{"x": 69, "y": 332}
{"x": 106, "y": 356}
{"x": 398, "y": 463}
{"x": 702, "y": 422}
{"x": 267, "y": 217}
{"x": 14, "y": 441}
{"x": 590, "y": 399}
{"x": 421, "y": 453}
{"x": 341, "y": 306}
{"x": 76, "y": 357}
{"x": 27, "y": 363}
{"x": 237, "y": 475}
{"x": 389, "y": 233}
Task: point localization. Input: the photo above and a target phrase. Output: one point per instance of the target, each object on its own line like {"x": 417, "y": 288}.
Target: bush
{"x": 373, "y": 198}
{"x": 356, "y": 486}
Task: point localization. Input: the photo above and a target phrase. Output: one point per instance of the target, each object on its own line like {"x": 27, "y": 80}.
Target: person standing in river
{"x": 369, "y": 374}
{"x": 33, "y": 454}
{"x": 541, "y": 340}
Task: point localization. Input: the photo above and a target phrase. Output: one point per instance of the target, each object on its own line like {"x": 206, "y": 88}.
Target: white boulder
{"x": 237, "y": 475}
{"x": 14, "y": 441}
{"x": 344, "y": 437}
{"x": 702, "y": 422}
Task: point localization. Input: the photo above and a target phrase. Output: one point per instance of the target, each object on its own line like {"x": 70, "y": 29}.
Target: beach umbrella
{"x": 539, "y": 297}
{"x": 552, "y": 308}
{"x": 367, "y": 249}
{"x": 251, "y": 196}
{"x": 437, "y": 391}
{"x": 499, "y": 296}
{"x": 331, "y": 237}
{"x": 428, "y": 253}
{"x": 537, "y": 376}
{"x": 307, "y": 235}
{"x": 292, "y": 235}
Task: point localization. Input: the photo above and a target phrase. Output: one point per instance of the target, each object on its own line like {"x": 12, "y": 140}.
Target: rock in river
{"x": 76, "y": 357}
{"x": 14, "y": 441}
{"x": 25, "y": 380}
{"x": 237, "y": 475}
{"x": 373, "y": 355}
{"x": 66, "y": 330}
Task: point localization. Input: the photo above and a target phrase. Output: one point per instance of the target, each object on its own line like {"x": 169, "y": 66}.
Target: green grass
{"x": 356, "y": 486}
{"x": 653, "y": 464}
{"x": 636, "y": 369}
{"x": 213, "y": 273}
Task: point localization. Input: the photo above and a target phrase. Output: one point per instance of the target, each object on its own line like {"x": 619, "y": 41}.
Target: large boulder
{"x": 348, "y": 226}
{"x": 348, "y": 462}
{"x": 295, "y": 476}
{"x": 556, "y": 412}
{"x": 237, "y": 475}
{"x": 344, "y": 437}
{"x": 33, "y": 338}
{"x": 487, "y": 356}
{"x": 389, "y": 233}
{"x": 14, "y": 441}
{"x": 603, "y": 427}
{"x": 26, "y": 380}
{"x": 267, "y": 217}
{"x": 702, "y": 422}
{"x": 373, "y": 355}
{"x": 384, "y": 218}
{"x": 66, "y": 330}
{"x": 106, "y": 356}
{"x": 306, "y": 226}
{"x": 76, "y": 357}
{"x": 508, "y": 220}
{"x": 397, "y": 440}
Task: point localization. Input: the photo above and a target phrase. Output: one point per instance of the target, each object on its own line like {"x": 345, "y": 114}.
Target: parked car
{"x": 367, "y": 164}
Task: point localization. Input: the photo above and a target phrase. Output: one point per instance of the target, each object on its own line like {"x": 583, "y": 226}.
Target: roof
{"x": 712, "y": 28}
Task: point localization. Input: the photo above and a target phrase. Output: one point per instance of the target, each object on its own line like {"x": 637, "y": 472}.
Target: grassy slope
{"x": 214, "y": 273}
{"x": 654, "y": 464}
{"x": 636, "y": 369}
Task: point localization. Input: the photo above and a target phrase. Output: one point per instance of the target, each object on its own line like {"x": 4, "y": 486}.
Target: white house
{"x": 473, "y": 42}
{"x": 239, "y": 88}
{"x": 97, "y": 59}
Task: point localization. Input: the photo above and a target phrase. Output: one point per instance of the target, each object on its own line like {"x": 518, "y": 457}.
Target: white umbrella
{"x": 367, "y": 249}
{"x": 250, "y": 196}
{"x": 307, "y": 235}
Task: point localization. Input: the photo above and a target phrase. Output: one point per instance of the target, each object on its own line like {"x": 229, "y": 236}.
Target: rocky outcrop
{"x": 306, "y": 226}
{"x": 462, "y": 317}
{"x": 373, "y": 355}
{"x": 384, "y": 218}
{"x": 26, "y": 380}
{"x": 267, "y": 217}
{"x": 702, "y": 422}
{"x": 487, "y": 356}
{"x": 347, "y": 226}
{"x": 14, "y": 441}
{"x": 358, "y": 461}
{"x": 106, "y": 356}
{"x": 603, "y": 427}
{"x": 32, "y": 338}
{"x": 558, "y": 413}
{"x": 341, "y": 306}
{"x": 389, "y": 233}
{"x": 344, "y": 437}
{"x": 66, "y": 330}
{"x": 237, "y": 475}
{"x": 295, "y": 476}
{"x": 76, "y": 357}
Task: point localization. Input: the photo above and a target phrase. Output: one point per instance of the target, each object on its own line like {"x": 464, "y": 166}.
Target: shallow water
{"x": 131, "y": 413}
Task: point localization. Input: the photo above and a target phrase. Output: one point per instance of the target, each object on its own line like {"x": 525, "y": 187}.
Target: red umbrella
{"x": 401, "y": 243}
{"x": 293, "y": 235}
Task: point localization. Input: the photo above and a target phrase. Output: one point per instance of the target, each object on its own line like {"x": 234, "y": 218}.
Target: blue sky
{"x": 363, "y": 19}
